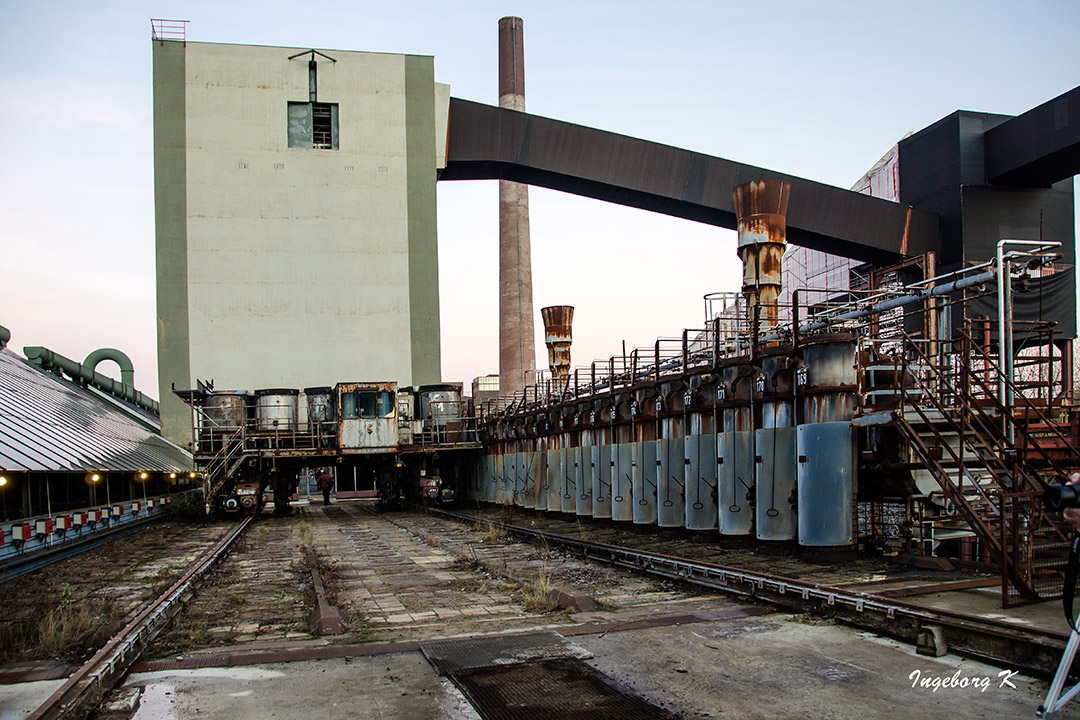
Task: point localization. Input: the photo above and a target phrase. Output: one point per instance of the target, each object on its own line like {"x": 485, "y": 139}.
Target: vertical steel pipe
{"x": 761, "y": 208}
{"x": 558, "y": 335}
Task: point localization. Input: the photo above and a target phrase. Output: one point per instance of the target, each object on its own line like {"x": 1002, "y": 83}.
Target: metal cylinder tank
{"x": 700, "y": 475}
{"x": 275, "y": 409}
{"x": 567, "y": 482}
{"x": 516, "y": 479}
{"x": 670, "y": 475}
{"x": 321, "y": 414}
{"x": 645, "y": 482}
{"x": 774, "y": 447}
{"x": 622, "y": 482}
{"x": 601, "y": 475}
{"x": 540, "y": 475}
{"x": 489, "y": 492}
{"x": 735, "y": 453}
{"x": 774, "y": 481}
{"x": 225, "y": 411}
{"x": 555, "y": 476}
{"x": 440, "y": 409}
{"x": 826, "y": 384}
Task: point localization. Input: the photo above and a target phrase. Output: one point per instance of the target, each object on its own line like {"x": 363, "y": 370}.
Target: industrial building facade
{"x": 295, "y": 214}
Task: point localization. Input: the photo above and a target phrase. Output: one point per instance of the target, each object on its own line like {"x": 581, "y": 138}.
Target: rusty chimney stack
{"x": 517, "y": 347}
{"x": 761, "y": 208}
{"x": 558, "y": 335}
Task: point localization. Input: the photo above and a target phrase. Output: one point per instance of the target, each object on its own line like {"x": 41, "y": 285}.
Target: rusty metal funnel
{"x": 558, "y": 335}
{"x": 761, "y": 210}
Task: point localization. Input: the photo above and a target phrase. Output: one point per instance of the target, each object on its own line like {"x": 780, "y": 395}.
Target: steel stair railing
{"x": 1025, "y": 529}
{"x": 224, "y": 463}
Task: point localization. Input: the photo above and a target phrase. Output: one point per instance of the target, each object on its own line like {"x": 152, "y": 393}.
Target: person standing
{"x": 326, "y": 484}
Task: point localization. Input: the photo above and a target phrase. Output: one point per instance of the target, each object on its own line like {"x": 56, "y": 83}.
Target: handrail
{"x": 971, "y": 343}
{"x": 959, "y": 460}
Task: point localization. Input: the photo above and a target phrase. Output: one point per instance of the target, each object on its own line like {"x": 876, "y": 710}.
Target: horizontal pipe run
{"x": 48, "y": 360}
{"x": 897, "y": 302}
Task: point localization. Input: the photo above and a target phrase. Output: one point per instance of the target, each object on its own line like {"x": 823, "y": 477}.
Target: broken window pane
{"x": 313, "y": 125}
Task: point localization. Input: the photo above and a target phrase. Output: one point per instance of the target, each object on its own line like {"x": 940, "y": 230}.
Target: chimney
{"x": 761, "y": 207}
{"x": 558, "y": 320}
{"x": 517, "y": 349}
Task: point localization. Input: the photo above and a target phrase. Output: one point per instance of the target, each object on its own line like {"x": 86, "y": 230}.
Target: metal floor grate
{"x": 565, "y": 688}
{"x": 539, "y": 676}
{"x": 448, "y": 656}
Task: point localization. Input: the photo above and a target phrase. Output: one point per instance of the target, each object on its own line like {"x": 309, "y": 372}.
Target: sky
{"x": 819, "y": 90}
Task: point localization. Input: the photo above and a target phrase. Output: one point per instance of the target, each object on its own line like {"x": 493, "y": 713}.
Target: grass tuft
{"x": 538, "y": 597}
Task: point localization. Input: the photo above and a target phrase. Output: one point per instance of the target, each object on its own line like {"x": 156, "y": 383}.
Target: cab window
{"x": 375, "y": 405}
{"x": 349, "y": 409}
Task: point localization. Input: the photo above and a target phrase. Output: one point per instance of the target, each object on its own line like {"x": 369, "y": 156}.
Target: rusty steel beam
{"x": 486, "y": 143}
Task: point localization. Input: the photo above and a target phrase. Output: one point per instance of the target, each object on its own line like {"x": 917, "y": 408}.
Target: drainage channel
{"x": 935, "y": 631}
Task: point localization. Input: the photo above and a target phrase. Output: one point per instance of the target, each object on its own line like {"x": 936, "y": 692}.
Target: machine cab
{"x": 367, "y": 416}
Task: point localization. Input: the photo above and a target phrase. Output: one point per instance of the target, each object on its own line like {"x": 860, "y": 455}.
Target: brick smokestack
{"x": 517, "y": 348}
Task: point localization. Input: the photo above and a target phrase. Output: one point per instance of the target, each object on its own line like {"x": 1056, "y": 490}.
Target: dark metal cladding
{"x": 486, "y": 142}
{"x": 1040, "y": 147}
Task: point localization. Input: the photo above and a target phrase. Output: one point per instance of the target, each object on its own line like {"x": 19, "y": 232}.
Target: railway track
{"x": 933, "y": 630}
{"x": 87, "y": 685}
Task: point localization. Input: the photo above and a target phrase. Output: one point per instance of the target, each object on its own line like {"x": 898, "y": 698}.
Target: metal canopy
{"x": 49, "y": 425}
{"x": 488, "y": 143}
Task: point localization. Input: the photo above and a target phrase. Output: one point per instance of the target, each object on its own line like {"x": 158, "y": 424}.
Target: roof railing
{"x": 168, "y": 30}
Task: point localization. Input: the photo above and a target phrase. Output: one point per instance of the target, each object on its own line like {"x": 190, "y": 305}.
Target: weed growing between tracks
{"x": 493, "y": 533}
{"x": 71, "y": 623}
{"x": 538, "y": 597}
{"x": 305, "y": 536}
{"x": 257, "y": 593}
{"x": 534, "y": 593}
{"x": 67, "y": 629}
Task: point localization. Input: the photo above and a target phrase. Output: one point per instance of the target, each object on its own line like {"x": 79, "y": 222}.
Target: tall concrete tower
{"x": 517, "y": 349}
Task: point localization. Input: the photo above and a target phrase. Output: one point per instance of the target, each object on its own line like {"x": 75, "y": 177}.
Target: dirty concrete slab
{"x": 387, "y": 686}
{"x": 766, "y": 667}
{"x": 782, "y": 667}
{"x": 18, "y": 701}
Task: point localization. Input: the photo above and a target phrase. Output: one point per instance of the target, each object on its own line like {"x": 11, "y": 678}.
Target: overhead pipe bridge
{"x": 490, "y": 143}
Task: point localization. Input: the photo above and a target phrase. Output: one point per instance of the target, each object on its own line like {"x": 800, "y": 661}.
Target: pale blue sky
{"x": 815, "y": 89}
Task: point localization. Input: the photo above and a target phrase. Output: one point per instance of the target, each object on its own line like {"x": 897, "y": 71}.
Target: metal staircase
{"x": 224, "y": 464}
{"x": 945, "y": 406}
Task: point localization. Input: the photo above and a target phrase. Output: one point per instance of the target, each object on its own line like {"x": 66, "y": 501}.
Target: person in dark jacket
{"x": 326, "y": 484}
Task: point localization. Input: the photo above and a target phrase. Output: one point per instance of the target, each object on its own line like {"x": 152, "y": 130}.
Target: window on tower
{"x": 313, "y": 125}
